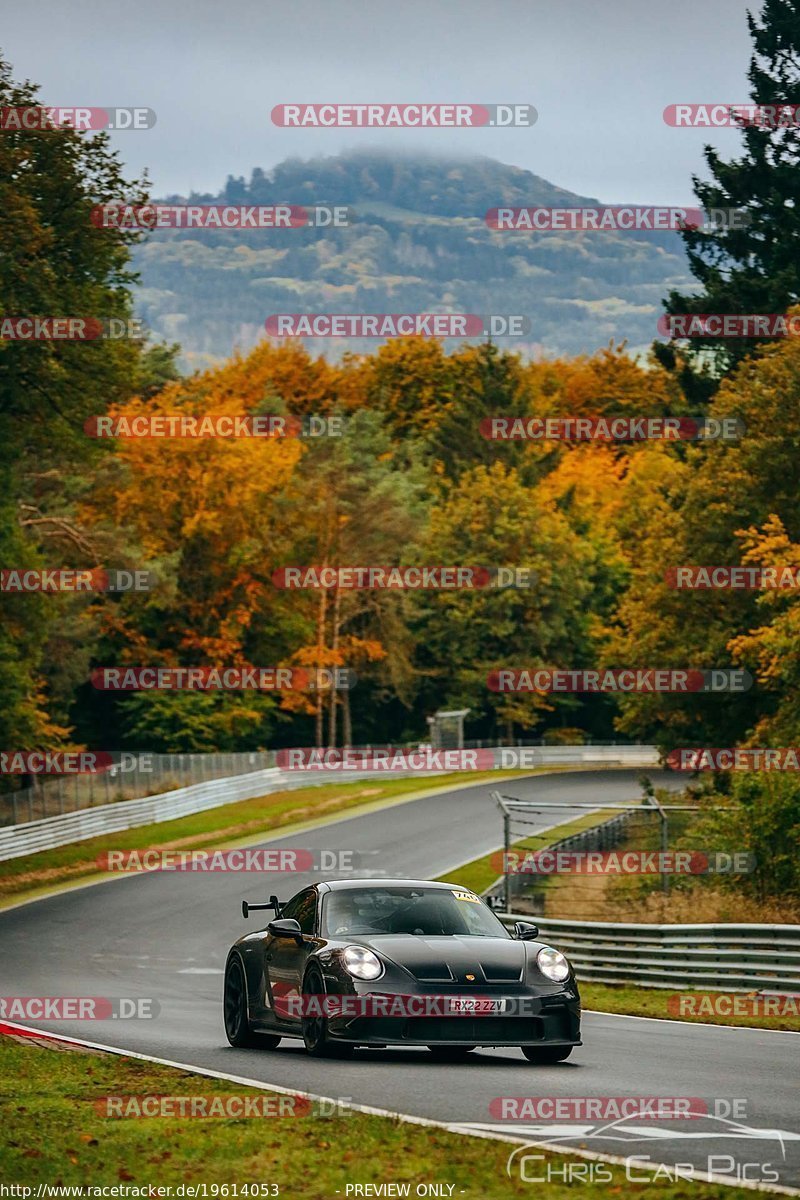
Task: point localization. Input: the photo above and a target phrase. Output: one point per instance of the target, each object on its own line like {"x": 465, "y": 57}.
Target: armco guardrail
{"x": 576, "y": 756}
{"x": 719, "y": 957}
{"x": 128, "y": 814}
{"x": 50, "y": 832}
{"x": 131, "y": 776}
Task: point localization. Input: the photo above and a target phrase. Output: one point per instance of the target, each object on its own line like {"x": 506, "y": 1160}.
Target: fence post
{"x": 664, "y": 849}
{"x": 507, "y": 847}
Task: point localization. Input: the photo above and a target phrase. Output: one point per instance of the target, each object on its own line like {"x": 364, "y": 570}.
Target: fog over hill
{"x": 418, "y": 242}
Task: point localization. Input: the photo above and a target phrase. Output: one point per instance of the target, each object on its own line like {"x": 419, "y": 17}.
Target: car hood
{"x": 452, "y": 959}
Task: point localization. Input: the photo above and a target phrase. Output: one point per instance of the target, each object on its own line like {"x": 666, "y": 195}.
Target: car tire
{"x": 545, "y": 1055}
{"x": 234, "y": 1009}
{"x": 315, "y": 1028}
{"x": 451, "y": 1053}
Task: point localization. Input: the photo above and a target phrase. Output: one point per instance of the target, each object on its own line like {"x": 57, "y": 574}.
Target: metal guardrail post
{"x": 506, "y": 849}
{"x": 664, "y": 838}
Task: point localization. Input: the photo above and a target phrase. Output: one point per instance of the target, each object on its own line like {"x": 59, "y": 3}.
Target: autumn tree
{"x": 725, "y": 490}
{"x": 202, "y": 514}
{"x": 53, "y": 263}
{"x": 491, "y": 519}
{"x": 351, "y": 503}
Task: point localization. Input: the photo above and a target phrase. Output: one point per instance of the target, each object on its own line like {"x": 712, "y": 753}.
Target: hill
{"x": 418, "y": 244}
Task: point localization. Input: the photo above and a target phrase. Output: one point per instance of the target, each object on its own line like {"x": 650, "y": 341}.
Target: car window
{"x": 303, "y": 909}
{"x": 473, "y": 917}
{"x": 408, "y": 910}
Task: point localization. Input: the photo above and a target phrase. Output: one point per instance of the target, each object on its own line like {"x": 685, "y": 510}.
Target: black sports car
{"x": 379, "y": 962}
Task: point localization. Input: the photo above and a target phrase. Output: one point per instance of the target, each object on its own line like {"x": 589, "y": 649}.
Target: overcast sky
{"x": 599, "y": 72}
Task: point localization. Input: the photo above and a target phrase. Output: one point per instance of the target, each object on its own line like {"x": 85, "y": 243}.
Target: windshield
{"x": 427, "y": 912}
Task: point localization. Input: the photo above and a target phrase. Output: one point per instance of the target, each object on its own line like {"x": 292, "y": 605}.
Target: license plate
{"x": 476, "y": 1007}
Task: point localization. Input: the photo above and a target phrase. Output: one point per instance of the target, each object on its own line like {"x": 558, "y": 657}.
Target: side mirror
{"x": 286, "y": 927}
{"x": 525, "y": 931}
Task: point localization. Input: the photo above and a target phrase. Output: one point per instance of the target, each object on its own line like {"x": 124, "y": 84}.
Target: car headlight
{"x": 362, "y": 963}
{"x": 553, "y": 964}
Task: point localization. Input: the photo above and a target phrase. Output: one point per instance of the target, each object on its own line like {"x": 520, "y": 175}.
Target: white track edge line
{"x": 600, "y": 1012}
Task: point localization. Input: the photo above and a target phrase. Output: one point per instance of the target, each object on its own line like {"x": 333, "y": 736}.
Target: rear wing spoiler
{"x": 274, "y": 904}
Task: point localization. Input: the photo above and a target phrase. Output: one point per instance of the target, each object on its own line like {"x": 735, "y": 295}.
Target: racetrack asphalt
{"x": 166, "y": 935}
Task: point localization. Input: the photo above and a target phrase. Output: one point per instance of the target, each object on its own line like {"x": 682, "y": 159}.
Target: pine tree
{"x": 754, "y": 269}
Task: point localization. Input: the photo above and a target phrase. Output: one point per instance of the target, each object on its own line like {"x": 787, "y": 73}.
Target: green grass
{"x": 56, "y": 1133}
{"x": 37, "y": 874}
{"x": 635, "y": 1001}
{"x": 481, "y": 873}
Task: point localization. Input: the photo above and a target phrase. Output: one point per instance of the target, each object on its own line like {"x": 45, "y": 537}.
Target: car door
{"x": 285, "y": 959}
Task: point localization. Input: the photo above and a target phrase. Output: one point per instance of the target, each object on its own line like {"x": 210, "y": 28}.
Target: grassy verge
{"x": 57, "y": 1133}
{"x": 635, "y": 1001}
{"x": 231, "y": 824}
{"x": 481, "y": 873}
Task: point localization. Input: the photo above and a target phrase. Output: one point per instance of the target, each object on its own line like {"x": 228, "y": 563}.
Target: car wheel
{"x": 234, "y": 1007}
{"x": 546, "y": 1054}
{"x": 315, "y": 1026}
{"x": 451, "y": 1053}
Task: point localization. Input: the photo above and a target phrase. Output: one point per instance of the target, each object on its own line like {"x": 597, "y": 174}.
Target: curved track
{"x": 166, "y": 935}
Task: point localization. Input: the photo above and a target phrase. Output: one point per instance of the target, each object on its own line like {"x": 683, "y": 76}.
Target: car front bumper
{"x": 532, "y": 1020}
